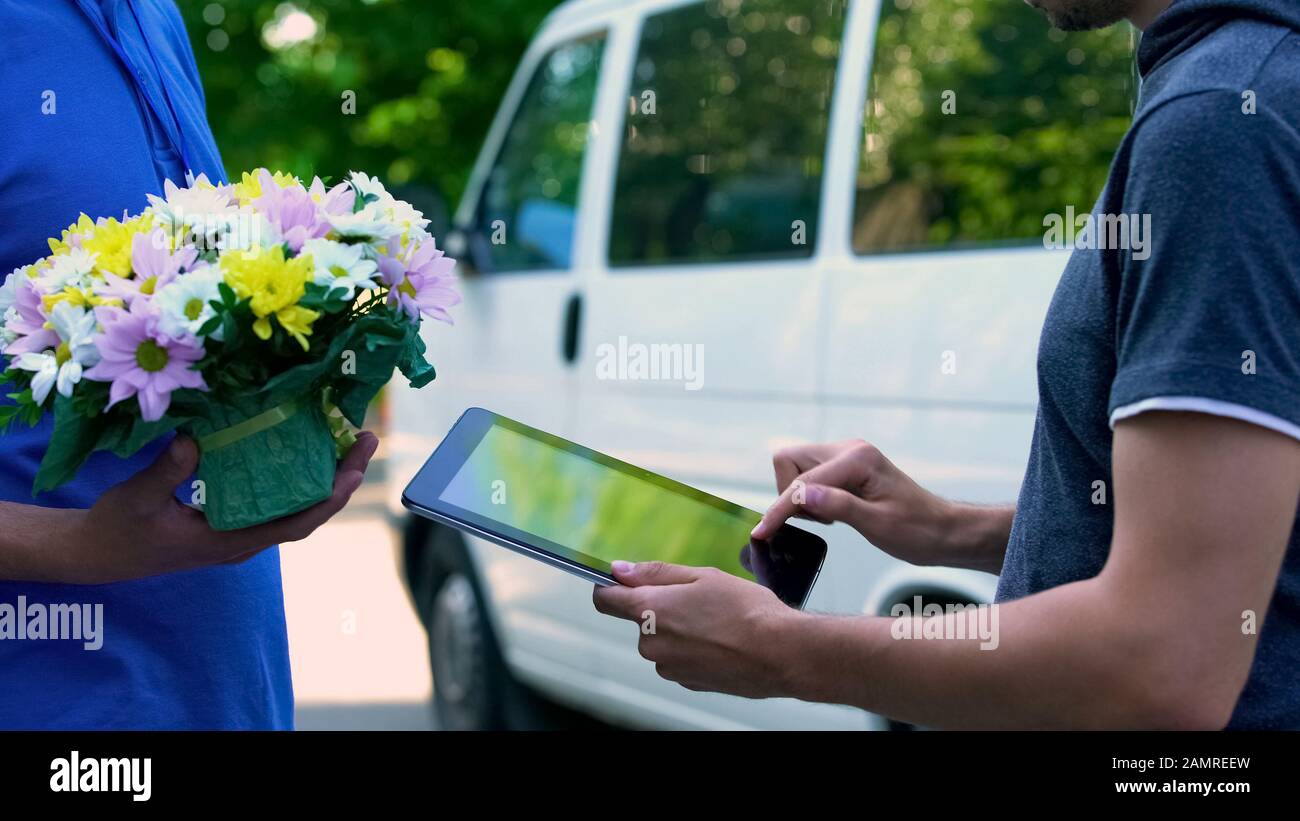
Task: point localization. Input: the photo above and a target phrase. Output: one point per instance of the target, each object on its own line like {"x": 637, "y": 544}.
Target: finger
{"x": 301, "y": 525}
{"x": 847, "y": 469}
{"x": 293, "y": 528}
{"x": 173, "y": 466}
{"x": 641, "y": 574}
{"x": 648, "y": 647}
{"x": 833, "y": 504}
{"x": 666, "y": 672}
{"x": 359, "y": 455}
{"x": 786, "y": 464}
{"x": 619, "y": 602}
{"x": 790, "y": 462}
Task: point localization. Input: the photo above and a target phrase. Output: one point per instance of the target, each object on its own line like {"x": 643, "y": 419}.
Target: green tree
{"x": 425, "y": 78}
{"x": 982, "y": 118}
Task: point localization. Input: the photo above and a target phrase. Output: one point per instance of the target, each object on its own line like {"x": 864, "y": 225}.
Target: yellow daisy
{"x": 274, "y": 285}
{"x": 83, "y": 226}
{"x": 249, "y": 187}
{"x": 111, "y": 241}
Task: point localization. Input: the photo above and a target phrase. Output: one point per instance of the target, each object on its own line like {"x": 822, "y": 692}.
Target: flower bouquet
{"x": 259, "y": 318}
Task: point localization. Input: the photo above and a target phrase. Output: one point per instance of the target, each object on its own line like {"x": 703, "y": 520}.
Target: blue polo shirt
{"x": 100, "y": 101}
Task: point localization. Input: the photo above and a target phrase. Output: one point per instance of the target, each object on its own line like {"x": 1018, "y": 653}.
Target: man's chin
{"x": 1083, "y": 15}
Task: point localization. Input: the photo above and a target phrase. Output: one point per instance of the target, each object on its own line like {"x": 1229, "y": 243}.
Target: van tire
{"x": 472, "y": 686}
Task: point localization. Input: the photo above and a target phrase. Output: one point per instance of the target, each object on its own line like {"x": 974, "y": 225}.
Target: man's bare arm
{"x": 1204, "y": 508}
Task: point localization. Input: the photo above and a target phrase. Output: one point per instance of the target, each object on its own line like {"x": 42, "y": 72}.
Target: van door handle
{"x": 572, "y": 328}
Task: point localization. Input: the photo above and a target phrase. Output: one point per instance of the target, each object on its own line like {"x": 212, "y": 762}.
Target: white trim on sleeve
{"x": 1214, "y": 407}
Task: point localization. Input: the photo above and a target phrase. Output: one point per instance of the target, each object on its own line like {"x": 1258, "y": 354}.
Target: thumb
{"x": 639, "y": 574}
{"x": 832, "y": 504}
{"x": 172, "y": 467}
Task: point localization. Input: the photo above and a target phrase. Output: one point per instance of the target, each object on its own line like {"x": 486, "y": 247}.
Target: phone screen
{"x": 587, "y": 507}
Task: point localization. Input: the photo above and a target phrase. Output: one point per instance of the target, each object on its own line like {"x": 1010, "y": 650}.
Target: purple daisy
{"x": 142, "y": 361}
{"x": 336, "y": 200}
{"x": 292, "y": 211}
{"x": 420, "y": 280}
{"x": 30, "y": 323}
{"x": 154, "y": 264}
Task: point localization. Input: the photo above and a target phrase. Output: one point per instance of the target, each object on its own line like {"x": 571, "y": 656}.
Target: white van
{"x": 839, "y": 207}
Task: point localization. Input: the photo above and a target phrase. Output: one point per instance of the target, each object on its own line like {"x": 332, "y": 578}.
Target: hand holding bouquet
{"x": 258, "y": 318}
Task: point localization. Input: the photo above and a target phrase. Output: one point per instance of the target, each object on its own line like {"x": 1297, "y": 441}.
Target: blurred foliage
{"x": 427, "y": 78}
{"x": 731, "y": 154}
{"x": 1033, "y": 119}
{"x": 533, "y": 185}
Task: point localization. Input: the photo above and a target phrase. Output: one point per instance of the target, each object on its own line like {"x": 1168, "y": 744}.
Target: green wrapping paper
{"x": 257, "y": 464}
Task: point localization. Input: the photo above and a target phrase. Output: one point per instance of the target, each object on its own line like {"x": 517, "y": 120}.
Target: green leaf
{"x": 71, "y": 443}
{"x": 8, "y": 415}
{"x": 325, "y": 299}
{"x": 228, "y": 297}
{"x": 211, "y": 325}
{"x": 134, "y": 433}
{"x": 412, "y": 362}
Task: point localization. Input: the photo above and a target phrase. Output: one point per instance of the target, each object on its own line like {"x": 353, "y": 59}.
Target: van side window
{"x": 726, "y": 132}
{"x": 529, "y": 204}
{"x": 981, "y": 120}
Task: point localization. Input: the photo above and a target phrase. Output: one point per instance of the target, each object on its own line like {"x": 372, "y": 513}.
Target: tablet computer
{"x": 579, "y": 510}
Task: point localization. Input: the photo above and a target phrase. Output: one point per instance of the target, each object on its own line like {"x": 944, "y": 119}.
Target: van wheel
{"x": 467, "y": 679}
{"x": 472, "y": 687}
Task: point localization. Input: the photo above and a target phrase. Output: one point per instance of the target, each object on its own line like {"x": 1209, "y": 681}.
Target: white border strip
{"x": 1214, "y": 407}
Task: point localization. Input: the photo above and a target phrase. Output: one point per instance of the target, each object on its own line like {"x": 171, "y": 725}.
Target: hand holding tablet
{"x": 580, "y": 510}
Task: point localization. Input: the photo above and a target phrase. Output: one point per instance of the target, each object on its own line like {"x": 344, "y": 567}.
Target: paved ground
{"x": 359, "y": 653}
{"x": 358, "y": 650}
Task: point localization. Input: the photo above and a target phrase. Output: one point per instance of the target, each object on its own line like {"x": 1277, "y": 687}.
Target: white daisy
{"x": 9, "y": 290}
{"x": 7, "y": 336}
{"x": 184, "y": 303}
{"x": 202, "y": 203}
{"x": 70, "y": 270}
{"x": 411, "y": 221}
{"x": 336, "y": 265}
{"x": 368, "y": 185}
{"x": 400, "y": 213}
{"x": 8, "y": 298}
{"x": 62, "y": 367}
{"x": 370, "y": 223}
{"x": 240, "y": 230}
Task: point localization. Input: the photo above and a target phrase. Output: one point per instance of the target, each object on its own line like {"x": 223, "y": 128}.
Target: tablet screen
{"x": 526, "y": 488}
{"x": 603, "y": 513}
